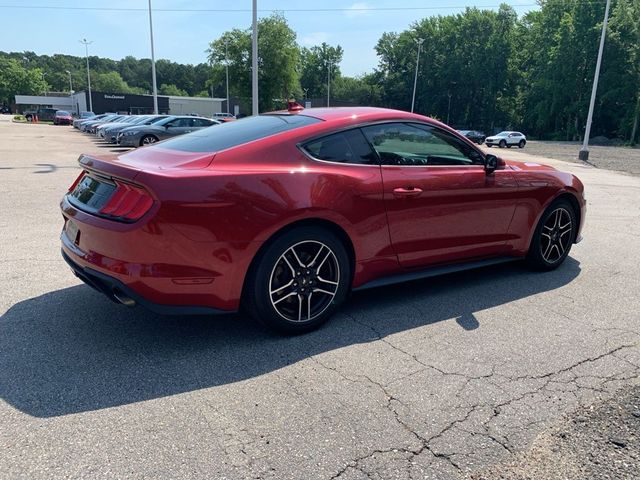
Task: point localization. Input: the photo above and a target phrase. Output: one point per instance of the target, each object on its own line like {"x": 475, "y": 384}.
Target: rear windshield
{"x": 231, "y": 134}
{"x": 62, "y": 113}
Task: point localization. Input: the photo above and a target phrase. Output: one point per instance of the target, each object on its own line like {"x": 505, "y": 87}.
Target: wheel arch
{"x": 568, "y": 195}
{"x": 329, "y": 225}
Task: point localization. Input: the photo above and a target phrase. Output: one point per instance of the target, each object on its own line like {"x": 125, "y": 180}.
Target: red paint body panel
{"x": 213, "y": 211}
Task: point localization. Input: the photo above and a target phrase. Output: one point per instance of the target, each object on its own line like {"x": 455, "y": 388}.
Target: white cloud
{"x": 314, "y": 38}
{"x": 358, "y": 9}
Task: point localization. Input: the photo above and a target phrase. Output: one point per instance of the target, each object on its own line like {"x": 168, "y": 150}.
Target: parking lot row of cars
{"x": 139, "y": 130}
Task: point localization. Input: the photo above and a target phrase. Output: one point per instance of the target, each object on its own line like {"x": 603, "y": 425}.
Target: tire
{"x": 28, "y": 117}
{"x": 148, "y": 140}
{"x": 489, "y": 145}
{"x": 502, "y": 144}
{"x": 551, "y": 242}
{"x": 281, "y": 297}
{"x": 522, "y": 144}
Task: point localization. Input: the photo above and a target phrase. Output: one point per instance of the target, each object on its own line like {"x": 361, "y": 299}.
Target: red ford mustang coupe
{"x": 285, "y": 213}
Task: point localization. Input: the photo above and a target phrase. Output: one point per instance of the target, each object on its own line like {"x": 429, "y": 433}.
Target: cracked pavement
{"x": 440, "y": 378}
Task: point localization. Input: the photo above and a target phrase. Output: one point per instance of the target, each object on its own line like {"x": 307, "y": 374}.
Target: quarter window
{"x": 344, "y": 147}
{"x": 419, "y": 144}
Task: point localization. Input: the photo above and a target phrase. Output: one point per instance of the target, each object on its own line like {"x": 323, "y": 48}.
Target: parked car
{"x": 473, "y": 135}
{"x": 83, "y": 116}
{"x": 62, "y": 117}
{"x": 127, "y": 120}
{"x": 507, "y": 139}
{"x": 224, "y": 117}
{"x": 91, "y": 127}
{"x": 5, "y": 110}
{"x": 111, "y": 133}
{"x": 286, "y": 212}
{"x": 43, "y": 114}
{"x": 172, "y": 126}
{"x": 86, "y": 124}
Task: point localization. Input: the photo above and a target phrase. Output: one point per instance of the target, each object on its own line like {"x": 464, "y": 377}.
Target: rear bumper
{"x": 118, "y": 292}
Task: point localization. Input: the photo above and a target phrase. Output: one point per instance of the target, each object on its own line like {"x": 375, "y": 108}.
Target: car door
{"x": 441, "y": 205}
{"x": 178, "y": 126}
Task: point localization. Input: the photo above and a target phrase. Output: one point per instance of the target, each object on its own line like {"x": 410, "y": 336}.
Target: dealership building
{"x": 103, "y": 102}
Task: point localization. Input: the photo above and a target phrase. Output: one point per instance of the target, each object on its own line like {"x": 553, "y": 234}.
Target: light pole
{"x": 226, "y": 66}
{"x": 449, "y": 108}
{"x": 254, "y": 60}
{"x": 328, "y": 80}
{"x": 153, "y": 65}
{"x": 584, "y": 151}
{"x": 45, "y": 87}
{"x": 86, "y": 50}
{"x": 70, "y": 89}
{"x": 415, "y": 79}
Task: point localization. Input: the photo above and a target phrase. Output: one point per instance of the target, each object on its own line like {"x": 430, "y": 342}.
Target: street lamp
{"x": 86, "y": 49}
{"x": 254, "y": 59}
{"x": 584, "y": 151}
{"x": 415, "y": 80}
{"x": 153, "y": 65}
{"x": 70, "y": 89}
{"x": 328, "y": 80}
{"x": 226, "y": 66}
{"x": 45, "y": 87}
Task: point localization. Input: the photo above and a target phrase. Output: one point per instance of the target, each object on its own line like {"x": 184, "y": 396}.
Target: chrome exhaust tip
{"x": 123, "y": 299}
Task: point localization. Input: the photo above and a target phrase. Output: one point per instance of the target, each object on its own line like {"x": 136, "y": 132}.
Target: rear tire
{"x": 553, "y": 237}
{"x": 298, "y": 281}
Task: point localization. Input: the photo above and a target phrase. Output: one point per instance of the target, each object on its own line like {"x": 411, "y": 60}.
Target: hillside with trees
{"x": 481, "y": 69}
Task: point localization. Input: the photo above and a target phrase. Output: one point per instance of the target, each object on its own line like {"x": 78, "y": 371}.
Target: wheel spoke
{"x": 561, "y": 249}
{"x": 321, "y": 290}
{"x": 320, "y": 279}
{"x": 299, "y": 308}
{"x": 296, "y": 256}
{"x": 309, "y": 306}
{"x": 547, "y": 251}
{"x": 293, "y": 270}
{"x": 282, "y": 287}
{"x": 316, "y": 257}
{"x": 290, "y": 294}
{"x": 322, "y": 262}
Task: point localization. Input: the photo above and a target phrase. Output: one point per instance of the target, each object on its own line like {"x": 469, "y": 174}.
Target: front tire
{"x": 148, "y": 140}
{"x": 553, "y": 236}
{"x": 298, "y": 281}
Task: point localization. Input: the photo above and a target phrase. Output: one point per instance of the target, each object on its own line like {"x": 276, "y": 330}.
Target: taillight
{"x": 76, "y": 182}
{"x": 127, "y": 203}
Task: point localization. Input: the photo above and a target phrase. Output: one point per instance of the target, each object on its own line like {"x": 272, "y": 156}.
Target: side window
{"x": 201, "y": 122}
{"x": 419, "y": 144}
{"x": 344, "y": 147}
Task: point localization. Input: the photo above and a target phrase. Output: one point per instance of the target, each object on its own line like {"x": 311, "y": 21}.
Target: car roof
{"x": 354, "y": 115}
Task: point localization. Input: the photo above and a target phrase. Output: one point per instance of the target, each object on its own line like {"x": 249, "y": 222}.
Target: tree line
{"x": 479, "y": 69}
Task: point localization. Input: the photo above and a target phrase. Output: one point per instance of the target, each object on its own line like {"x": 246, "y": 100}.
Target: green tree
{"x": 172, "y": 90}
{"x": 277, "y": 61}
{"x": 109, "y": 82}
{"x": 15, "y": 79}
{"x": 314, "y": 68}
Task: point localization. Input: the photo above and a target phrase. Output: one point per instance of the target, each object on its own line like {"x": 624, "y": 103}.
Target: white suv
{"x": 506, "y": 139}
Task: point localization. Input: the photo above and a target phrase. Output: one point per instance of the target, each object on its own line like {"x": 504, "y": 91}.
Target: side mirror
{"x": 491, "y": 163}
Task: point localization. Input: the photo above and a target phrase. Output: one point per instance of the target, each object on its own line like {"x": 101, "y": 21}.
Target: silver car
{"x": 506, "y": 139}
{"x": 139, "y": 135}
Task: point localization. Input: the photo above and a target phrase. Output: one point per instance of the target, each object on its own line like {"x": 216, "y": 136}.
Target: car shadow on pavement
{"x": 73, "y": 350}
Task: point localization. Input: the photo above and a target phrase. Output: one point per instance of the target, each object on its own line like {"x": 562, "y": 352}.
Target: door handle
{"x": 407, "y": 192}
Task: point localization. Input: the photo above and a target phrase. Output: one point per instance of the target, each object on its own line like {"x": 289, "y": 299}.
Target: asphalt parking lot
{"x": 444, "y": 378}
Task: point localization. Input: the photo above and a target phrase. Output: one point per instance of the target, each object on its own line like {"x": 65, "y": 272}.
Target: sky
{"x": 183, "y": 36}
